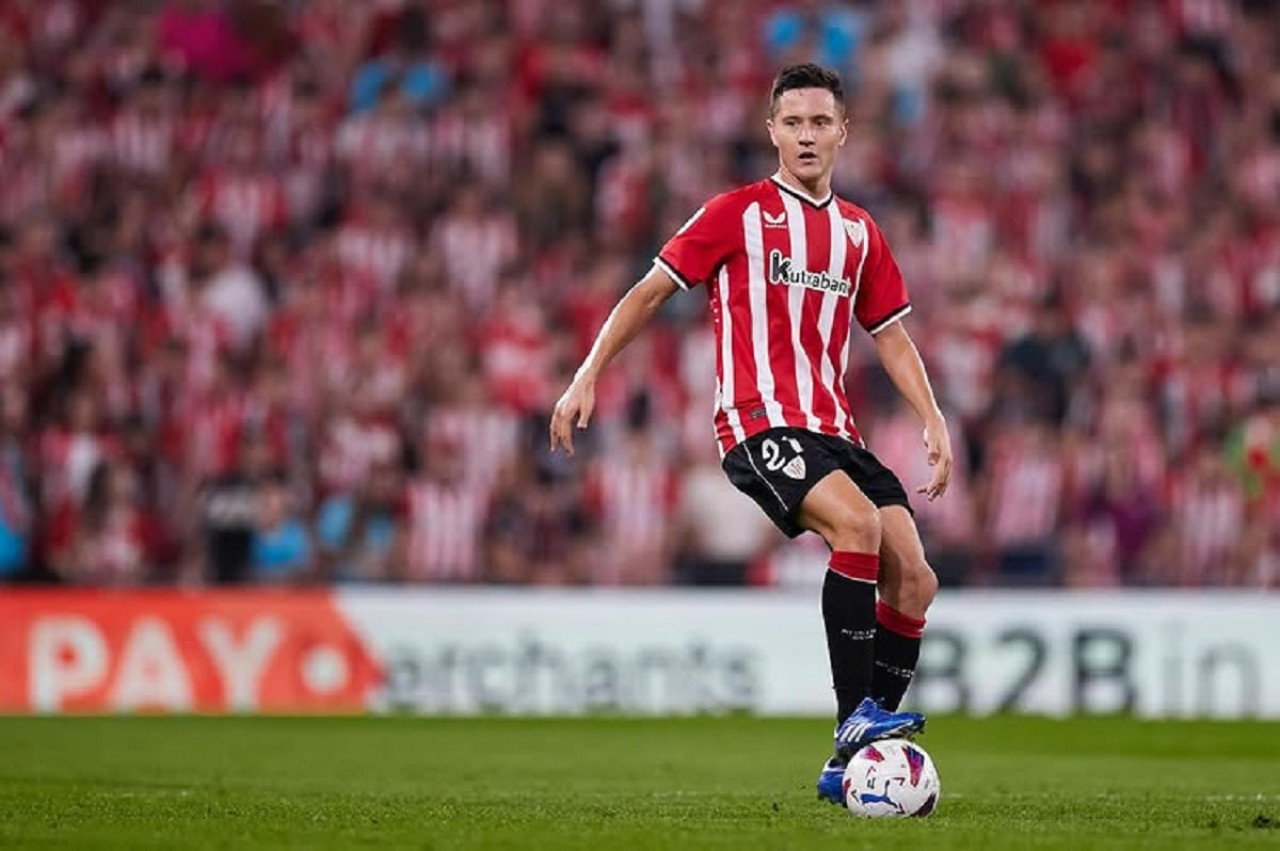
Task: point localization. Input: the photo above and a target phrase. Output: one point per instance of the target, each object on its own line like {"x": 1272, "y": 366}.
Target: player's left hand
{"x": 937, "y": 443}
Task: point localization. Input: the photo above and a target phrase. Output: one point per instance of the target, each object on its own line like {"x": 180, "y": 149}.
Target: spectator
{"x": 406, "y": 64}
{"x": 17, "y": 510}
{"x": 1042, "y": 369}
{"x": 1023, "y": 503}
{"x": 281, "y": 549}
{"x": 446, "y": 515}
{"x": 110, "y": 539}
{"x": 1113, "y": 525}
{"x": 1208, "y": 510}
{"x": 721, "y": 536}
{"x": 229, "y": 511}
{"x": 201, "y": 38}
{"x": 477, "y": 242}
{"x": 69, "y": 453}
{"x": 511, "y": 556}
{"x": 1253, "y": 450}
{"x": 829, "y": 33}
{"x": 360, "y": 536}
{"x": 632, "y": 490}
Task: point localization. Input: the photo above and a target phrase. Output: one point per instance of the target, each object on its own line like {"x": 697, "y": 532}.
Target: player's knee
{"x": 919, "y": 586}
{"x": 855, "y": 530}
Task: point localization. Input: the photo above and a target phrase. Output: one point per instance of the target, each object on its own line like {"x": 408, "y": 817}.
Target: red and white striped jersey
{"x": 786, "y": 275}
{"x": 475, "y": 250}
{"x": 486, "y": 436}
{"x": 1027, "y": 478}
{"x": 633, "y": 493}
{"x": 374, "y": 251}
{"x": 351, "y": 446}
{"x": 1209, "y": 515}
{"x": 142, "y": 142}
{"x": 246, "y": 204}
{"x": 445, "y": 527}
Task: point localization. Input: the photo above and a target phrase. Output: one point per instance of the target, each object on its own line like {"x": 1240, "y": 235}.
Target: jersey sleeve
{"x": 882, "y": 295}
{"x": 701, "y": 245}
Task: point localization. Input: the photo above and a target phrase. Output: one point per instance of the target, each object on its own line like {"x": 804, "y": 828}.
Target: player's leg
{"x": 906, "y": 583}
{"x": 907, "y": 587}
{"x": 850, "y": 524}
{"x": 797, "y": 479}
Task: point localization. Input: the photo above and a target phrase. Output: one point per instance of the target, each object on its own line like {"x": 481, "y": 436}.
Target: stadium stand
{"x": 287, "y": 289}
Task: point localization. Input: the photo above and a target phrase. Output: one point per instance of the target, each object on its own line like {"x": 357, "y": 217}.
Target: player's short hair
{"x": 806, "y": 76}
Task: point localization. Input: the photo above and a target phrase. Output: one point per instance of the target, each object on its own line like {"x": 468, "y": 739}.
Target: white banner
{"x": 1158, "y": 654}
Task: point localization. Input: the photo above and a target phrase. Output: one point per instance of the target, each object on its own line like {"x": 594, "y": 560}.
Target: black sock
{"x": 897, "y": 652}
{"x": 849, "y": 614}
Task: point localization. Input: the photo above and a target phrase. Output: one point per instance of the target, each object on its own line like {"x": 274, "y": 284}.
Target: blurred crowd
{"x": 288, "y": 289}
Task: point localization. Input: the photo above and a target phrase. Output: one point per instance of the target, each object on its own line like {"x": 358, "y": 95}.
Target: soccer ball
{"x": 893, "y": 778}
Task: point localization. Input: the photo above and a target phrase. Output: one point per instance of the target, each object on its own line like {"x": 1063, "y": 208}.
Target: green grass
{"x": 701, "y": 783}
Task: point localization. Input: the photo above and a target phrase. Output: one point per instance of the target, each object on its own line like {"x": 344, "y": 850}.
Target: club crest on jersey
{"x": 781, "y": 271}
{"x": 857, "y": 230}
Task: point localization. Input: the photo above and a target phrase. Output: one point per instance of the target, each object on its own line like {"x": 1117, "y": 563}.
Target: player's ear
{"x": 844, "y": 131}
{"x": 768, "y": 122}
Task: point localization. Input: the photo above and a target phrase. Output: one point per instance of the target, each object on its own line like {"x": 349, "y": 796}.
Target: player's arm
{"x": 632, "y": 312}
{"x": 901, "y": 360}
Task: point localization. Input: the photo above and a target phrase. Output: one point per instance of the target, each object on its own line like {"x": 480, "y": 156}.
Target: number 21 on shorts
{"x": 775, "y": 457}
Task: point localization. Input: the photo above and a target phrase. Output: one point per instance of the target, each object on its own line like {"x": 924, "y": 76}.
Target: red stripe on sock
{"x": 863, "y": 566}
{"x": 895, "y": 621}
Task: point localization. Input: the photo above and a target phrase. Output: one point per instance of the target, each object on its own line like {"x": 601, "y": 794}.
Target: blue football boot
{"x": 831, "y": 781}
{"x": 870, "y": 723}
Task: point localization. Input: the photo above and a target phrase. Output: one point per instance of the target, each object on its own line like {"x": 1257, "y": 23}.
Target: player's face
{"x": 808, "y": 127}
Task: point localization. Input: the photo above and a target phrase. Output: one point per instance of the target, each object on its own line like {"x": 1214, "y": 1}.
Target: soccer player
{"x": 788, "y": 268}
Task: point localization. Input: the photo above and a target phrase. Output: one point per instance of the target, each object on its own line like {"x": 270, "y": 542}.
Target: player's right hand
{"x": 575, "y": 405}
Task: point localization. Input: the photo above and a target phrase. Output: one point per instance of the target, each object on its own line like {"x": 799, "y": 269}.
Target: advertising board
{"x": 465, "y": 651}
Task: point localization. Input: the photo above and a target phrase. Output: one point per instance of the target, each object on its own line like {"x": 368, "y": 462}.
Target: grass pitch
{"x": 704, "y": 783}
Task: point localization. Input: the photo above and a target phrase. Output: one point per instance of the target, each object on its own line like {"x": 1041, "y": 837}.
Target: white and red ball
{"x": 894, "y": 778}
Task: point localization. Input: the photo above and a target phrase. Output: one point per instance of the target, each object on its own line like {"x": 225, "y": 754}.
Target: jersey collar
{"x": 803, "y": 196}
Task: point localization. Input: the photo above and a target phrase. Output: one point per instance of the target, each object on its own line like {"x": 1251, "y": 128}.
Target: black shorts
{"x": 778, "y": 467}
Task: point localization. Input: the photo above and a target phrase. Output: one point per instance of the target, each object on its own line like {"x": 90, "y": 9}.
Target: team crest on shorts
{"x": 795, "y": 468}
